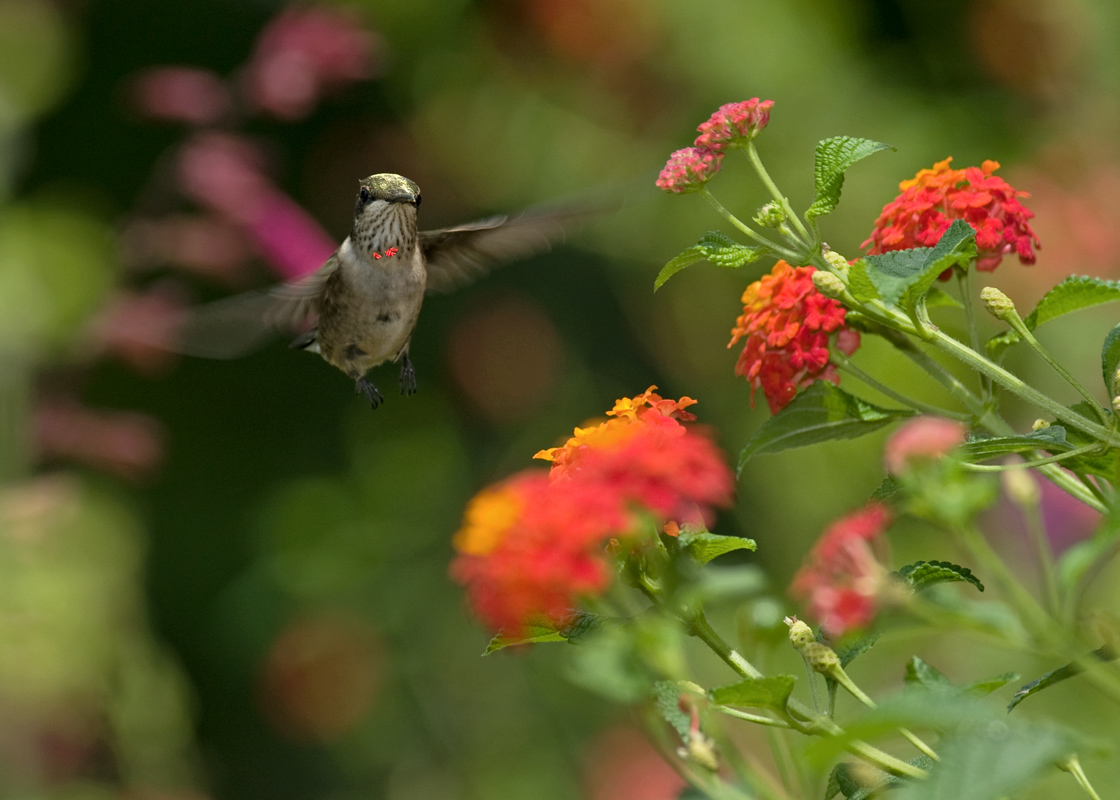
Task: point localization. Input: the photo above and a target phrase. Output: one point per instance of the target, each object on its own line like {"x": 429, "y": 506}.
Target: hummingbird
{"x": 364, "y": 302}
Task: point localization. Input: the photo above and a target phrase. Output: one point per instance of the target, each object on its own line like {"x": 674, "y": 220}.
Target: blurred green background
{"x": 229, "y": 579}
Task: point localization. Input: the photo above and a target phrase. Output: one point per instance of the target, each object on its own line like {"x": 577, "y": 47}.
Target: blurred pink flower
{"x": 305, "y": 53}
{"x": 202, "y": 244}
{"x": 623, "y": 765}
{"x": 124, "y": 443}
{"x": 921, "y": 439}
{"x": 225, "y": 173}
{"x": 181, "y": 94}
{"x": 141, "y": 328}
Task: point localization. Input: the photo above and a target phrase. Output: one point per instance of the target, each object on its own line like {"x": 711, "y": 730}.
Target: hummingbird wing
{"x": 236, "y": 326}
{"x": 457, "y": 256}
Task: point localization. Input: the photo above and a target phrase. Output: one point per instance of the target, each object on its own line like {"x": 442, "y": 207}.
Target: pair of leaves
{"x": 921, "y": 674}
{"x": 1073, "y": 294}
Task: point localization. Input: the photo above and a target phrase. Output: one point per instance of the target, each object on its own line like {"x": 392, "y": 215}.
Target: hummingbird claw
{"x": 408, "y": 376}
{"x": 363, "y": 386}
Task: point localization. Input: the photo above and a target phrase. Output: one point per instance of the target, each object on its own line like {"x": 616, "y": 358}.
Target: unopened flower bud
{"x": 1021, "y": 488}
{"x": 838, "y": 263}
{"x": 800, "y": 634}
{"x": 1116, "y": 405}
{"x": 998, "y": 304}
{"x": 701, "y": 750}
{"x": 1040, "y": 424}
{"x": 821, "y": 657}
{"x": 828, "y": 284}
{"x": 770, "y": 215}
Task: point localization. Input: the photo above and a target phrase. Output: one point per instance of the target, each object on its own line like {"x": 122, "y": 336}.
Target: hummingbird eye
{"x": 365, "y": 194}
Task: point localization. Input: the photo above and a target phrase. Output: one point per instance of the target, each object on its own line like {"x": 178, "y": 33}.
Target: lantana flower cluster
{"x": 843, "y": 576}
{"x": 732, "y": 125}
{"x": 531, "y": 546}
{"x": 933, "y": 198}
{"x": 787, "y": 323}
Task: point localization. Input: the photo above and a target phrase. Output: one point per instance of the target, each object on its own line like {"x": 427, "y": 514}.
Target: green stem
{"x": 784, "y": 252}
{"x": 799, "y": 716}
{"x": 844, "y": 363}
{"x": 841, "y": 677}
{"x": 1072, "y": 765}
{"x": 1012, "y": 318}
{"x": 755, "y": 718}
{"x": 768, "y": 182}
{"x": 1016, "y": 386}
{"x": 1037, "y": 533}
{"x": 964, "y": 285}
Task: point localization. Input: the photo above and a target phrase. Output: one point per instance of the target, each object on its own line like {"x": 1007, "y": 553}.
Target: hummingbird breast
{"x": 369, "y": 308}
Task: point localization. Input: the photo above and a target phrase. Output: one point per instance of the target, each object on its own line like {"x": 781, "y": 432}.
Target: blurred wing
{"x": 457, "y": 256}
{"x": 236, "y": 326}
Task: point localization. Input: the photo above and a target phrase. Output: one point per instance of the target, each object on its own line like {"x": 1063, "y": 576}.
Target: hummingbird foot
{"x": 366, "y": 387}
{"x": 408, "y": 375}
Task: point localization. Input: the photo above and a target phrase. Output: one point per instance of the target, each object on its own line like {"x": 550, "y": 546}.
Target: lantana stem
{"x": 806, "y": 239}
{"x": 841, "y": 677}
{"x": 784, "y": 252}
{"x": 845, "y": 364}
{"x": 1073, "y": 766}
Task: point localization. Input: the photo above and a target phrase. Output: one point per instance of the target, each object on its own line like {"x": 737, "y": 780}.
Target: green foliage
{"x": 772, "y": 692}
{"x": 666, "y": 697}
{"x": 833, "y": 157}
{"x": 821, "y": 413}
{"x": 715, "y": 246}
{"x": 851, "y": 780}
{"x": 704, "y": 545}
{"x": 1051, "y": 439}
{"x": 923, "y": 574}
{"x": 1110, "y": 360}
{"x": 991, "y": 761}
{"x": 921, "y": 674}
{"x": 850, "y": 652}
{"x": 533, "y": 634}
{"x": 1073, "y": 294}
{"x": 903, "y": 277}
{"x": 1104, "y": 653}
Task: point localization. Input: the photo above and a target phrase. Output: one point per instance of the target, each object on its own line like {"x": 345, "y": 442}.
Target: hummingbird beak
{"x": 403, "y": 197}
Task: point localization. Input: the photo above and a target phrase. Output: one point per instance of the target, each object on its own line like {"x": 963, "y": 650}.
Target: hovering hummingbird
{"x": 365, "y": 300}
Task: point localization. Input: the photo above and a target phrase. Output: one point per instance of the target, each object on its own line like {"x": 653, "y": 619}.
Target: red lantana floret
{"x": 688, "y": 169}
{"x": 787, "y": 323}
{"x": 734, "y": 124}
{"x": 841, "y": 580}
{"x": 932, "y": 199}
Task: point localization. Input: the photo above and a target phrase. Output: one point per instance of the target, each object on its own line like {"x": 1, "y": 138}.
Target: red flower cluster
{"x": 532, "y": 545}
{"x": 935, "y": 197}
{"x": 842, "y": 578}
{"x": 689, "y": 169}
{"x": 733, "y": 125}
{"x": 787, "y": 323}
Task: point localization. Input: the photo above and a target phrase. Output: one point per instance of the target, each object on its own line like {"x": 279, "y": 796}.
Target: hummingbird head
{"x": 385, "y": 213}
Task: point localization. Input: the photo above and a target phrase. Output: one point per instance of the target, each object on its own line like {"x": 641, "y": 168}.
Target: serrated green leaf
{"x": 1073, "y": 294}
{"x": 772, "y": 692}
{"x": 1105, "y": 653}
{"x": 1000, "y": 342}
{"x": 923, "y": 574}
{"x": 979, "y": 449}
{"x": 833, "y": 157}
{"x": 1110, "y": 359}
{"x": 715, "y": 246}
{"x": 886, "y": 490}
{"x": 533, "y": 634}
{"x": 821, "y": 413}
{"x": 847, "y": 654}
{"x": 902, "y": 277}
{"x": 1105, "y": 463}
{"x": 704, "y": 546}
{"x": 666, "y": 695}
{"x": 919, "y": 673}
{"x": 991, "y": 761}
{"x": 677, "y": 263}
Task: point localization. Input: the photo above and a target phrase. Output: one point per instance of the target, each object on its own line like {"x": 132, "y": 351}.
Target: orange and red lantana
{"x": 933, "y": 198}
{"x": 532, "y": 546}
{"x": 787, "y": 323}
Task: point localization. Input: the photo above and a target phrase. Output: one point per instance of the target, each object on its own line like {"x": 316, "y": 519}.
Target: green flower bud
{"x": 1040, "y": 424}
{"x": 998, "y": 304}
{"x": 1021, "y": 488}
{"x": 838, "y": 263}
{"x": 828, "y": 284}
{"x": 821, "y": 657}
{"x": 800, "y": 634}
{"x": 770, "y": 215}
